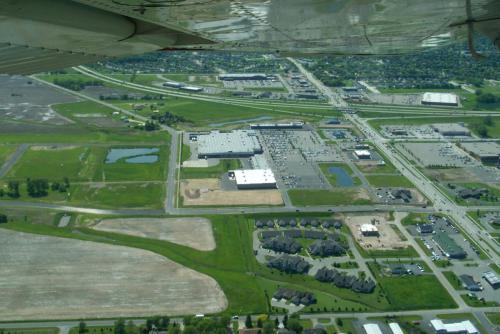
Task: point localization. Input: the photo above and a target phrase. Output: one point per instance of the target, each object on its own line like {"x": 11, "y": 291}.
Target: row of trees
{"x": 35, "y": 187}
{"x": 76, "y": 84}
{"x": 195, "y": 325}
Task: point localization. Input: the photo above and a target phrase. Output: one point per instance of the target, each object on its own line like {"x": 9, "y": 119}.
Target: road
{"x": 13, "y": 158}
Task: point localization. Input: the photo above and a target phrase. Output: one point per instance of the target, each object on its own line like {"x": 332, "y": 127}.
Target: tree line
{"x": 35, "y": 187}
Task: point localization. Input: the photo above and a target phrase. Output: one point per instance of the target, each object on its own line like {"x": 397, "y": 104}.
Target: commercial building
{"x": 254, "y": 179}
{"x": 469, "y": 283}
{"x": 462, "y": 327}
{"x": 289, "y": 125}
{"x": 362, "y": 154}
{"x": 192, "y": 89}
{"x": 234, "y": 144}
{"x": 372, "y": 329}
{"x": 486, "y": 152}
{"x": 492, "y": 279}
{"x": 395, "y": 328}
{"x": 243, "y": 76}
{"x": 440, "y": 99}
{"x": 425, "y": 228}
{"x": 451, "y": 129}
{"x": 369, "y": 230}
{"x": 448, "y": 246}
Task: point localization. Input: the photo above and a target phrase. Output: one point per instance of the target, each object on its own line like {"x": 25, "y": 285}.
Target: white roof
{"x": 440, "y": 98}
{"x": 237, "y": 141}
{"x": 456, "y": 327}
{"x": 372, "y": 329}
{"x": 362, "y": 152}
{"x": 395, "y": 328}
{"x": 254, "y": 176}
{"x": 368, "y": 228}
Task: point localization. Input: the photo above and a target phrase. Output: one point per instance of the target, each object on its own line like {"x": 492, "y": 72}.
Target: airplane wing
{"x": 38, "y": 35}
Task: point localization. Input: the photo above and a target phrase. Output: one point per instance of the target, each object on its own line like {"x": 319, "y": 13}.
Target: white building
{"x": 234, "y": 144}
{"x": 362, "y": 154}
{"x": 440, "y": 99}
{"x": 462, "y": 327}
{"x": 254, "y": 179}
{"x": 372, "y": 329}
{"x": 395, "y": 328}
{"x": 369, "y": 230}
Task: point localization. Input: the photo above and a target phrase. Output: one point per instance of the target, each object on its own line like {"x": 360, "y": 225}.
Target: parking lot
{"x": 294, "y": 156}
{"x": 437, "y": 154}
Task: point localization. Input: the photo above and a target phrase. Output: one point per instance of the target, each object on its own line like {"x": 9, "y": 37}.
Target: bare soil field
{"x": 193, "y": 232}
{"x": 45, "y": 277}
{"x": 207, "y": 192}
{"x": 387, "y": 239}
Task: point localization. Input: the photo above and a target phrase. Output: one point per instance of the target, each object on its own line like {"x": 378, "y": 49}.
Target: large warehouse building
{"x": 451, "y": 129}
{"x": 487, "y": 152}
{"x": 234, "y": 144}
{"x": 440, "y": 99}
{"x": 254, "y": 179}
{"x": 243, "y": 76}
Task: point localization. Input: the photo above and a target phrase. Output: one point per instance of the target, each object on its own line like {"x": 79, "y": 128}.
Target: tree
{"x": 488, "y": 121}
{"x": 190, "y": 329}
{"x": 285, "y": 321}
{"x": 259, "y": 323}
{"x": 120, "y": 327}
{"x": 13, "y": 187}
{"x": 82, "y": 328}
{"x": 294, "y": 325}
{"x": 268, "y": 328}
{"x": 3, "y": 218}
{"x": 248, "y": 322}
{"x": 339, "y": 322}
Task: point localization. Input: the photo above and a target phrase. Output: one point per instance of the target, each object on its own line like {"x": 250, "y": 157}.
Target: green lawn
{"x": 301, "y": 197}
{"x": 494, "y": 317}
{"x": 210, "y": 172}
{"x": 389, "y": 181}
{"x": 52, "y": 163}
{"x": 332, "y": 178}
{"x": 453, "y": 279}
{"x": 474, "y": 302}
{"x": 186, "y": 152}
{"x": 119, "y": 195}
{"x": 54, "y": 330}
{"x": 85, "y": 163}
{"x": 5, "y": 152}
{"x": 400, "y": 291}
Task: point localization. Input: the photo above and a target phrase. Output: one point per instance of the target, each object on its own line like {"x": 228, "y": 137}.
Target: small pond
{"x": 133, "y": 155}
{"x": 342, "y": 178}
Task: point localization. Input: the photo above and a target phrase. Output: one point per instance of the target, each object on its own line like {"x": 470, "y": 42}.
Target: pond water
{"x": 143, "y": 159}
{"x": 342, "y": 178}
{"x": 134, "y": 155}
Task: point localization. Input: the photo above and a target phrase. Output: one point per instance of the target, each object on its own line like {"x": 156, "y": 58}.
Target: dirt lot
{"x": 55, "y": 278}
{"x": 190, "y": 231}
{"x": 207, "y": 192}
{"x": 387, "y": 239}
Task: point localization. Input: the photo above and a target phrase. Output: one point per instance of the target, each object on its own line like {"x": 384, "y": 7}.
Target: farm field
{"x": 389, "y": 181}
{"x": 88, "y": 281}
{"x": 194, "y": 232}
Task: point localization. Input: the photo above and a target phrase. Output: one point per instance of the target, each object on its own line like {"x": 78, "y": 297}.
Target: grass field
{"x": 185, "y": 153}
{"x": 5, "y": 152}
{"x": 332, "y": 178}
{"x": 475, "y": 302}
{"x": 210, "y": 172}
{"x": 494, "y": 317}
{"x": 389, "y": 181}
{"x": 400, "y": 291}
{"x": 245, "y": 282}
{"x": 54, "y": 330}
{"x": 301, "y": 197}
{"x": 85, "y": 163}
{"x": 453, "y": 279}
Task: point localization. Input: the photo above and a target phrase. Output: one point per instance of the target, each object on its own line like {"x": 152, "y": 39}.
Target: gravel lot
{"x": 189, "y": 231}
{"x": 46, "y": 277}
